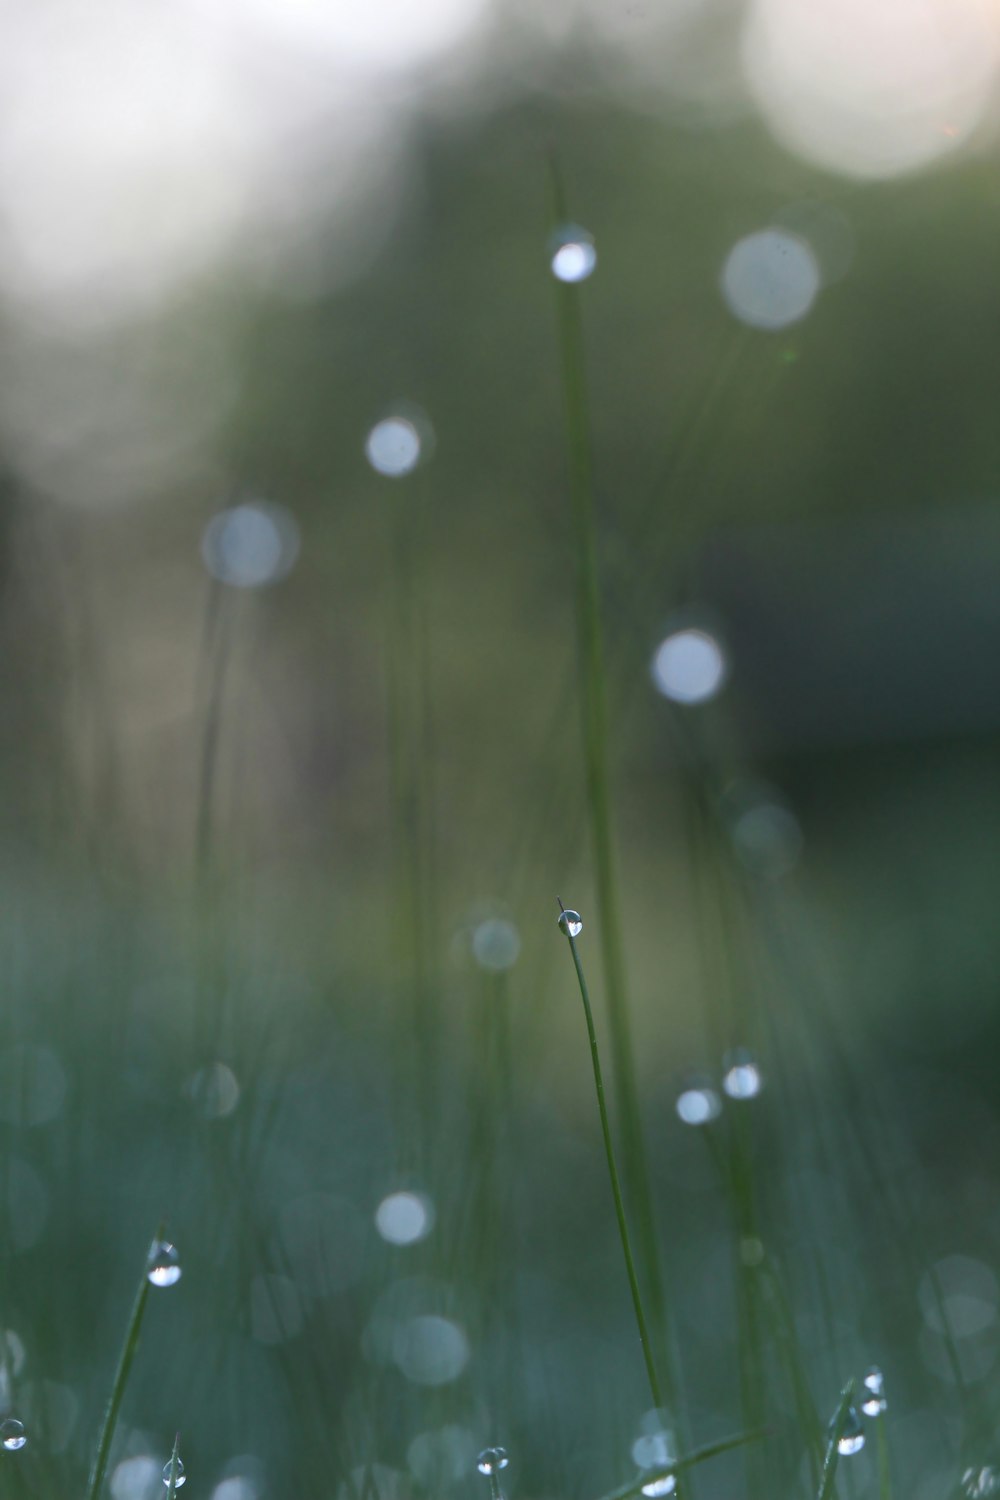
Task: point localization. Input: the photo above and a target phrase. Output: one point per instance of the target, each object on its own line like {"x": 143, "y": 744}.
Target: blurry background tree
{"x": 291, "y": 757}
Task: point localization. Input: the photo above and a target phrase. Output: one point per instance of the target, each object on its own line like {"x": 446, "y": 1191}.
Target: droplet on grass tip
{"x": 874, "y": 1403}
{"x": 697, "y": 1104}
{"x": 12, "y": 1434}
{"x": 852, "y": 1436}
{"x": 181, "y": 1476}
{"x": 404, "y": 1218}
{"x": 164, "y": 1268}
{"x": 492, "y": 1460}
{"x": 689, "y": 666}
{"x": 770, "y": 279}
{"x": 741, "y": 1079}
{"x": 978, "y": 1483}
{"x": 573, "y": 253}
{"x": 251, "y": 544}
{"x": 571, "y": 923}
{"x": 393, "y": 446}
{"x": 664, "y": 1484}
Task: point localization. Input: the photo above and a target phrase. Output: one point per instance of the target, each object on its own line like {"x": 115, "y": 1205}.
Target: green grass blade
{"x": 174, "y": 1461}
{"x": 884, "y": 1468}
{"x": 832, "y": 1451}
{"x": 125, "y": 1358}
{"x": 633, "y": 1280}
{"x": 686, "y": 1461}
{"x": 595, "y": 737}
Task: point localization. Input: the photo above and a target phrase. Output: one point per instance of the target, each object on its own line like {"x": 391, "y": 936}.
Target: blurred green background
{"x": 287, "y": 808}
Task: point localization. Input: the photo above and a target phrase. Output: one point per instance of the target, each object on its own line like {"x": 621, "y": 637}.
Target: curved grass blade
{"x": 686, "y": 1461}
{"x": 125, "y": 1358}
{"x": 832, "y": 1450}
{"x": 616, "y": 1187}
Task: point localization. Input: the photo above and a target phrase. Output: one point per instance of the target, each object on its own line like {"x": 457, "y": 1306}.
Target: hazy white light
{"x": 32, "y": 1085}
{"x": 689, "y": 666}
{"x": 124, "y": 157}
{"x": 380, "y": 35}
{"x": 393, "y": 446}
{"x": 698, "y": 1105}
{"x": 214, "y": 1091}
{"x": 236, "y": 1487}
{"x": 573, "y": 254}
{"x": 136, "y": 1478}
{"x": 496, "y": 944}
{"x": 871, "y": 88}
{"x": 770, "y": 279}
{"x": 404, "y": 1218}
{"x": 250, "y": 544}
{"x": 431, "y": 1350}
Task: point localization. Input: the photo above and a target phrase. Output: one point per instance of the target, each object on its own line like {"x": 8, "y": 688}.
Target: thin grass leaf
{"x": 686, "y": 1461}
{"x": 833, "y": 1451}
{"x": 616, "y": 1188}
{"x": 174, "y": 1470}
{"x": 595, "y": 735}
{"x": 125, "y": 1358}
{"x": 884, "y": 1468}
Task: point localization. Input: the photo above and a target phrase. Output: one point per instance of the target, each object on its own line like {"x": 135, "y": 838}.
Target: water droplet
{"x": 12, "y": 1434}
{"x": 571, "y": 923}
{"x": 689, "y": 666}
{"x": 978, "y": 1483}
{"x": 698, "y": 1104}
{"x": 250, "y": 545}
{"x": 164, "y": 1268}
{"x": 404, "y": 1218}
{"x": 573, "y": 253}
{"x": 393, "y": 446}
{"x": 852, "y": 1437}
{"x": 770, "y": 279}
{"x": 181, "y": 1476}
{"x": 665, "y": 1484}
{"x": 741, "y": 1079}
{"x": 874, "y": 1402}
{"x": 492, "y": 1460}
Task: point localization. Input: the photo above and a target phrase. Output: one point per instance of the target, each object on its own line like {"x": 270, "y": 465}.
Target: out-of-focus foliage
{"x": 291, "y": 751}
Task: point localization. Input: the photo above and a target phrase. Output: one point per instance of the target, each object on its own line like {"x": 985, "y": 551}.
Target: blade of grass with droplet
{"x": 633, "y": 1280}
{"x": 174, "y": 1469}
{"x": 125, "y": 1358}
{"x": 595, "y": 724}
{"x": 832, "y": 1450}
{"x": 687, "y": 1461}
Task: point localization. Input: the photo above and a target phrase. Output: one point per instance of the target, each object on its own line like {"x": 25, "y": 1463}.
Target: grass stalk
{"x": 616, "y": 1189}
{"x": 837, "y": 1426}
{"x": 125, "y": 1358}
{"x": 882, "y": 1452}
{"x": 595, "y": 737}
{"x": 174, "y": 1465}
